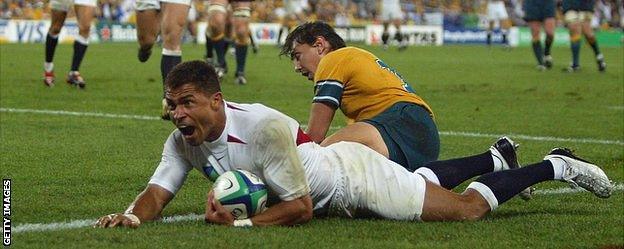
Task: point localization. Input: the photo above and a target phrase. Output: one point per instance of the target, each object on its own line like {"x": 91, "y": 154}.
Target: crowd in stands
{"x": 454, "y": 13}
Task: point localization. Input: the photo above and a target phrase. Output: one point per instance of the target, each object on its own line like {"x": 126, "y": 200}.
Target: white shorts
{"x": 192, "y": 14}
{"x": 65, "y": 5}
{"x": 373, "y": 186}
{"x": 155, "y": 4}
{"x": 575, "y": 16}
{"x": 391, "y": 12}
{"x": 496, "y": 11}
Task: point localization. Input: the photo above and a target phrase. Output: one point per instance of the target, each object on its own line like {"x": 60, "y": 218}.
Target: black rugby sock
{"x": 537, "y": 51}
{"x": 50, "y": 47}
{"x": 220, "y": 48}
{"x": 451, "y": 173}
{"x": 508, "y": 183}
{"x": 167, "y": 63}
{"x": 241, "y": 57}
{"x": 79, "y": 51}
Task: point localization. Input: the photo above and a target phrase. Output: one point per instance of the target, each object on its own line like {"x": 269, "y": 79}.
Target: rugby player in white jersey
{"x": 497, "y": 15}
{"x": 85, "y": 11}
{"x": 306, "y": 180}
{"x": 391, "y": 13}
{"x": 167, "y": 17}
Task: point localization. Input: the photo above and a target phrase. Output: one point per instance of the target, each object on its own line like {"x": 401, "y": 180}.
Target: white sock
{"x": 48, "y": 66}
{"x": 497, "y": 159}
{"x": 428, "y": 175}
{"x": 486, "y": 192}
{"x": 171, "y": 52}
{"x": 82, "y": 40}
{"x": 559, "y": 166}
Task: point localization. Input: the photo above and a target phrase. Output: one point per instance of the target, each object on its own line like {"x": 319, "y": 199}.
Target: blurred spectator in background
{"x": 115, "y": 10}
{"x": 325, "y": 11}
{"x": 450, "y": 13}
{"x": 291, "y": 13}
{"x": 343, "y": 16}
{"x": 263, "y": 11}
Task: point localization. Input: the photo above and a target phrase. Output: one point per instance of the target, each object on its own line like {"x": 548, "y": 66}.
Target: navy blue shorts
{"x": 538, "y": 10}
{"x": 409, "y": 133}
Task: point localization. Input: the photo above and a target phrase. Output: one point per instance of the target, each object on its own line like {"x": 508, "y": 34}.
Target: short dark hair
{"x": 198, "y": 73}
{"x": 307, "y": 34}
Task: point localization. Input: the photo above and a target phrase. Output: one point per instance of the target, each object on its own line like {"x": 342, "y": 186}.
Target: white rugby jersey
{"x": 247, "y": 144}
{"x": 390, "y": 2}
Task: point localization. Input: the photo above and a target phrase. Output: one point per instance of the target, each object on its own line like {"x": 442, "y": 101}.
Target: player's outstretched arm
{"x": 321, "y": 116}
{"x": 147, "y": 206}
{"x": 287, "y": 213}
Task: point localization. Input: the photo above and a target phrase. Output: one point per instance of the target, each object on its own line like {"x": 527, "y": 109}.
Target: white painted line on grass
{"x": 186, "y": 217}
{"x": 535, "y": 138}
{"x": 86, "y": 114}
{"x": 519, "y": 136}
{"x": 616, "y": 107}
{"x": 443, "y": 133}
{"x": 558, "y": 191}
{"x": 42, "y": 227}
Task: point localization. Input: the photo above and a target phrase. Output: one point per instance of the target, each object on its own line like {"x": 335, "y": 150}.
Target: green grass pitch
{"x": 69, "y": 167}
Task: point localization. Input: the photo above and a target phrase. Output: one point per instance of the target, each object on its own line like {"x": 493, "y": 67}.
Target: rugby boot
{"x": 48, "y": 78}
{"x": 581, "y": 173}
{"x": 74, "y": 79}
{"x": 505, "y": 149}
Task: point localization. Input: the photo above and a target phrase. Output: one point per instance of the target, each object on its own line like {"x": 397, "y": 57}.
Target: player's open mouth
{"x": 186, "y": 130}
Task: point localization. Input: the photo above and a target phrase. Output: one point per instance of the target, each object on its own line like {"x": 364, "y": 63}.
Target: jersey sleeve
{"x": 332, "y": 73}
{"x": 173, "y": 168}
{"x": 275, "y": 153}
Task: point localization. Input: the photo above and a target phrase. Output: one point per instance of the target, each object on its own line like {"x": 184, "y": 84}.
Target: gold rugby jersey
{"x": 360, "y": 84}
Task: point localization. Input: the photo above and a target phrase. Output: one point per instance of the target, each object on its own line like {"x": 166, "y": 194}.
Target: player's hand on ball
{"x": 216, "y": 213}
{"x": 118, "y": 220}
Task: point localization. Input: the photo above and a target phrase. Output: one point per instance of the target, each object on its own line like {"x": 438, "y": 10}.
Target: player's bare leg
{"x": 385, "y": 35}
{"x": 85, "y": 15}
{"x": 505, "y": 27}
{"x": 549, "y": 29}
{"x": 148, "y": 27}
{"x": 488, "y": 38}
{"x": 443, "y": 205}
{"x": 575, "y": 45}
{"x": 535, "y": 27}
{"x": 588, "y": 32}
{"x": 240, "y": 21}
{"x": 360, "y": 132}
{"x": 398, "y": 35}
{"x": 58, "y": 19}
{"x": 217, "y": 15}
{"x": 174, "y": 18}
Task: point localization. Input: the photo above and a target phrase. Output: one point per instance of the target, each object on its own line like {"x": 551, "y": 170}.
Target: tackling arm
{"x": 321, "y": 116}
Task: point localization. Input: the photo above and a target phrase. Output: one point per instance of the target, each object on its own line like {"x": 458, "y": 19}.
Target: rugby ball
{"x": 241, "y": 192}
